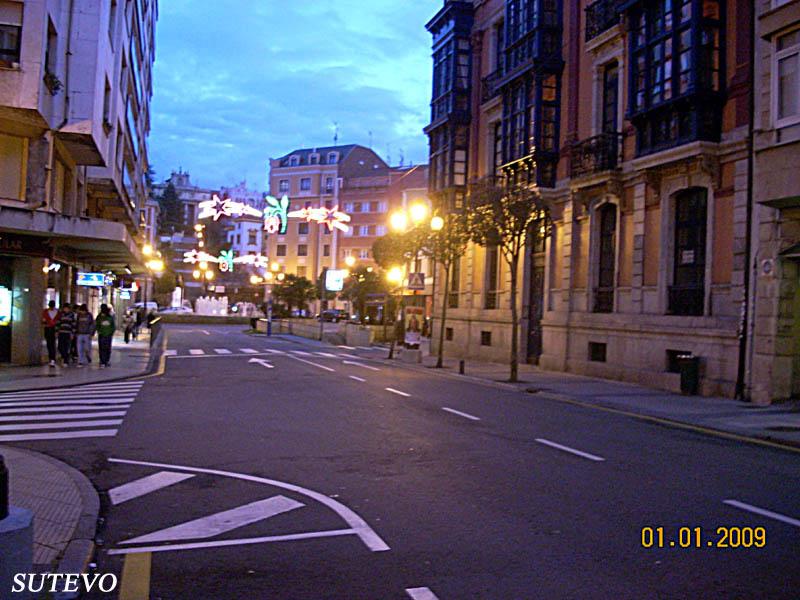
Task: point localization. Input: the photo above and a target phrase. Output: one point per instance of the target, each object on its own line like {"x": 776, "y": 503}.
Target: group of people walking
{"x": 69, "y": 331}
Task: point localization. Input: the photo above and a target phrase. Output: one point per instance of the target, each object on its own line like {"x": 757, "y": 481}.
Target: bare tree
{"x": 502, "y": 216}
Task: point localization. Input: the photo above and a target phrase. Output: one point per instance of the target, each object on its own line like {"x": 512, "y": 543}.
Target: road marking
{"x": 358, "y": 364}
{"x": 135, "y": 580}
{"x": 326, "y": 354}
{"x": 244, "y": 542}
{"x": 222, "y": 522}
{"x": 145, "y": 485}
{"x": 261, "y": 362}
{"x": 346, "y": 347}
{"x": 50, "y": 417}
{"x": 570, "y": 450}
{"x": 302, "y": 353}
{"x": 61, "y": 435}
{"x": 222, "y": 351}
{"x": 61, "y": 425}
{"x": 461, "y": 414}
{"x": 313, "y": 364}
{"x": 349, "y": 356}
{"x": 71, "y": 393}
{"x": 273, "y": 351}
{"x": 56, "y": 398}
{"x": 49, "y": 408}
{"x": 196, "y": 352}
{"x": 367, "y": 348}
{"x": 170, "y": 353}
{"x": 67, "y": 402}
{"x": 421, "y": 593}
{"x": 249, "y": 351}
{"x": 357, "y": 378}
{"x": 234, "y": 355}
{"x": 398, "y": 392}
{"x": 358, "y": 526}
{"x": 763, "y": 512}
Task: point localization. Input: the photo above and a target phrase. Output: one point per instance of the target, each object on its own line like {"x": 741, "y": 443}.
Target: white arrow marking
{"x": 261, "y": 362}
{"x": 145, "y": 485}
{"x": 421, "y": 593}
{"x": 223, "y": 522}
{"x": 358, "y": 364}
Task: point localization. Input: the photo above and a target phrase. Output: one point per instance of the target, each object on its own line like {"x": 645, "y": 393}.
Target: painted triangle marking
{"x": 222, "y": 522}
{"x": 145, "y": 485}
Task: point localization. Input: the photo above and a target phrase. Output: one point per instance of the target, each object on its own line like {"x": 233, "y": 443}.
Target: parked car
{"x": 151, "y": 306}
{"x": 333, "y": 315}
{"x": 176, "y": 310}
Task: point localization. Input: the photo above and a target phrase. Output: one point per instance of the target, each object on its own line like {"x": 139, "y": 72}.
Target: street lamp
{"x": 437, "y": 223}
{"x": 350, "y": 261}
{"x": 418, "y": 212}
{"x": 395, "y": 275}
{"x": 147, "y": 250}
{"x": 399, "y": 221}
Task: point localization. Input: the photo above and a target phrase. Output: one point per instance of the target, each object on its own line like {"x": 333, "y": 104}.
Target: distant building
{"x": 75, "y": 90}
{"x": 189, "y": 194}
{"x": 245, "y": 235}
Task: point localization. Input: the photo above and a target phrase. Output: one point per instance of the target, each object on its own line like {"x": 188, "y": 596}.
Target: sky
{"x": 241, "y": 81}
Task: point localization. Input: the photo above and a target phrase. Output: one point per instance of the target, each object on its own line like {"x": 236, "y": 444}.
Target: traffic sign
{"x": 416, "y": 281}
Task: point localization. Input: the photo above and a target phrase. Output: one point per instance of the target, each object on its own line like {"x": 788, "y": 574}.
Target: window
{"x": 687, "y": 292}
{"x": 252, "y": 237}
{"x": 328, "y": 204}
{"x": 326, "y": 250}
{"x": 497, "y": 148}
{"x": 281, "y": 250}
{"x": 333, "y": 158}
{"x": 448, "y": 334}
{"x": 363, "y": 254}
{"x": 112, "y": 21}
{"x": 786, "y": 78}
{"x": 301, "y": 271}
{"x": 10, "y": 33}
{"x": 348, "y": 207}
{"x": 607, "y": 259}
{"x": 294, "y": 161}
{"x": 486, "y": 338}
{"x": 314, "y": 159}
{"x": 51, "y": 52}
{"x": 357, "y": 207}
{"x": 305, "y": 184}
{"x": 383, "y": 207}
{"x": 492, "y": 277}
{"x": 455, "y": 284}
{"x": 329, "y": 185}
{"x": 609, "y": 121}
{"x": 107, "y": 106}
{"x": 597, "y": 352}
{"x": 302, "y": 228}
{"x": 363, "y": 230}
{"x": 302, "y": 250}
{"x": 283, "y": 186}
{"x": 380, "y": 230}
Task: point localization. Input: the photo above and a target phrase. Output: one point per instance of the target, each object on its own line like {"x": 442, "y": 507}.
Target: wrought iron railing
{"x": 686, "y": 300}
{"x": 490, "y": 85}
{"x": 595, "y": 154}
{"x": 604, "y": 299}
{"x": 601, "y": 16}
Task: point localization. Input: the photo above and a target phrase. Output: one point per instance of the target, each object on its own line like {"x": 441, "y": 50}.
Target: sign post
{"x": 416, "y": 282}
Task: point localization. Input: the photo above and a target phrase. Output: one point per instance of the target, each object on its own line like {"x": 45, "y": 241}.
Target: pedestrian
{"x": 105, "y": 333}
{"x": 84, "y": 330}
{"x": 49, "y": 320}
{"x": 139, "y": 320}
{"x": 128, "y": 323}
{"x": 65, "y": 331}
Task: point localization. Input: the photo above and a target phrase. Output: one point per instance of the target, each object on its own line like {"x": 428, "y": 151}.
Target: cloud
{"x": 238, "y": 82}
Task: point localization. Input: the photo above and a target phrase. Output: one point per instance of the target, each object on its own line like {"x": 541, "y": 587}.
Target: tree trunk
{"x": 440, "y": 352}
{"x": 514, "y": 377}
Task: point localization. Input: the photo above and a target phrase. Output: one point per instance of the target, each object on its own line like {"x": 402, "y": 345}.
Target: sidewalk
{"x": 64, "y": 505}
{"x": 127, "y": 360}
{"x": 778, "y": 423}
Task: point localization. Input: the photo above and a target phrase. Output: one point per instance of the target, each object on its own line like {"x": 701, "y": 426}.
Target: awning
{"x": 106, "y": 244}
{"x": 791, "y": 252}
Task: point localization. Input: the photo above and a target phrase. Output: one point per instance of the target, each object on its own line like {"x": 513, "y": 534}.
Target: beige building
{"x": 773, "y": 368}
{"x": 631, "y": 119}
{"x": 75, "y": 89}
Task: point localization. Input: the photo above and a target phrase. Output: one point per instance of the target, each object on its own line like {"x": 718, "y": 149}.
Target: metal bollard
{"x": 461, "y": 367}
{"x": 3, "y": 489}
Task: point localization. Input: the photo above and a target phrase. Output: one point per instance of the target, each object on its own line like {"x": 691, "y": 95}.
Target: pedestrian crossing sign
{"x": 416, "y": 281}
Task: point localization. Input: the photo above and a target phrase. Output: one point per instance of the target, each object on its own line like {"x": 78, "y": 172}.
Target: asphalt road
{"x": 319, "y": 472}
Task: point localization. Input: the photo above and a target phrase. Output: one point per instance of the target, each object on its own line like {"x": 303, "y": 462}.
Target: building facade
{"x": 773, "y": 368}
{"x": 630, "y": 120}
{"x": 75, "y": 89}
{"x": 246, "y": 235}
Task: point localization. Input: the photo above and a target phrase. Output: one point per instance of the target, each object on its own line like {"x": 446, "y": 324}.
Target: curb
{"x": 80, "y": 549}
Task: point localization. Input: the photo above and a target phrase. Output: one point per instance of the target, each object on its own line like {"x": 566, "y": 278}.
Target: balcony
{"x": 491, "y": 85}
{"x": 601, "y": 16}
{"x": 595, "y": 154}
{"x": 604, "y": 300}
{"x": 686, "y": 300}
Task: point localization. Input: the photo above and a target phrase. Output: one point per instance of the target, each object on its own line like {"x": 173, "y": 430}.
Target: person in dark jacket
{"x": 105, "y": 326}
{"x": 65, "y": 330}
{"x": 84, "y": 331}
{"x": 49, "y": 321}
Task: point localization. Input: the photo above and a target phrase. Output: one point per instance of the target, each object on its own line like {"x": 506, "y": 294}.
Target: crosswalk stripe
{"x": 60, "y": 435}
{"x": 71, "y": 392}
{"x": 171, "y": 353}
{"x": 61, "y": 425}
{"x": 67, "y": 396}
{"x": 326, "y": 354}
{"x": 95, "y": 415}
{"x": 273, "y": 351}
{"x": 222, "y": 351}
{"x": 127, "y": 400}
{"x": 48, "y": 408}
{"x": 196, "y": 352}
{"x": 145, "y": 485}
{"x": 301, "y": 353}
{"x": 249, "y": 351}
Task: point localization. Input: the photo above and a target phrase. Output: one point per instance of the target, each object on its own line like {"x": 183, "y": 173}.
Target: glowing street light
{"x": 395, "y": 275}
{"x": 210, "y": 275}
{"x": 203, "y": 266}
{"x": 197, "y": 274}
{"x": 275, "y": 267}
{"x": 350, "y": 261}
{"x": 281, "y": 276}
{"x": 399, "y": 221}
{"x": 147, "y": 250}
{"x": 199, "y": 227}
{"x": 418, "y": 212}
{"x": 156, "y": 265}
{"x": 437, "y": 223}
{"x": 255, "y": 279}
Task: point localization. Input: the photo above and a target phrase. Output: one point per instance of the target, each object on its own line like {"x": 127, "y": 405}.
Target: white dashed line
{"x": 346, "y": 347}
{"x": 571, "y": 450}
{"x": 326, "y": 354}
{"x": 301, "y": 353}
{"x": 248, "y": 351}
{"x": 461, "y": 414}
{"x": 358, "y": 364}
{"x": 763, "y": 512}
{"x": 421, "y": 593}
{"x": 196, "y": 352}
{"x": 222, "y": 351}
{"x": 398, "y": 392}
{"x": 313, "y": 364}
{"x": 354, "y": 378}
{"x": 171, "y": 353}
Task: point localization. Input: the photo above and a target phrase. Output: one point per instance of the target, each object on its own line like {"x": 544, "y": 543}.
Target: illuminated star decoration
{"x": 331, "y": 217}
{"x": 259, "y": 261}
{"x": 216, "y": 209}
{"x": 193, "y": 257}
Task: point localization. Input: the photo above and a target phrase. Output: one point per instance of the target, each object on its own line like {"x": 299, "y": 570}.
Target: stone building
{"x": 773, "y": 368}
{"x": 75, "y": 90}
{"x": 631, "y": 120}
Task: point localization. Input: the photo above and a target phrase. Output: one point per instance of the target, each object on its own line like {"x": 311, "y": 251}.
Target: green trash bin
{"x": 689, "y": 367}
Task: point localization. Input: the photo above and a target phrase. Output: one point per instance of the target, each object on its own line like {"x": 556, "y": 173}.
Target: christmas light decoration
{"x": 331, "y": 217}
{"x": 276, "y": 215}
{"x": 226, "y": 260}
{"x": 217, "y": 208}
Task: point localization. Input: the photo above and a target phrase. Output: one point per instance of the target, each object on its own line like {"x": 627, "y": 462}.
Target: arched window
{"x": 687, "y": 292}
{"x": 607, "y": 259}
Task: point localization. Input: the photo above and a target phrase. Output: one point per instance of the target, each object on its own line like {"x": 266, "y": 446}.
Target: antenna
{"x": 402, "y": 157}
{"x": 335, "y": 133}
{"x": 389, "y": 153}
{"x": 370, "y": 140}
